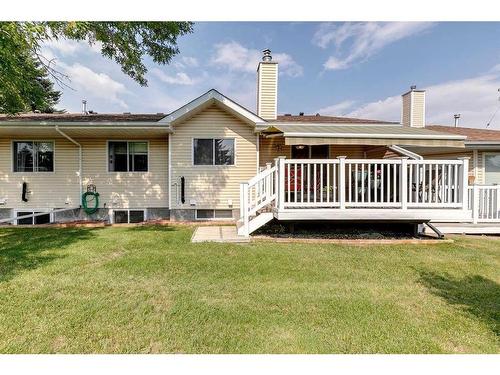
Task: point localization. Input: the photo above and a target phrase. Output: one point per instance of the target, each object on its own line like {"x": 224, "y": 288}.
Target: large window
{"x": 218, "y": 151}
{"x": 128, "y": 156}
{"x": 492, "y": 168}
{"x": 31, "y": 156}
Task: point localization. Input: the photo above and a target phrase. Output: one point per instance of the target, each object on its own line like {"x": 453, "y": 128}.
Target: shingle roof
{"x": 79, "y": 117}
{"x": 328, "y": 119}
{"x": 471, "y": 133}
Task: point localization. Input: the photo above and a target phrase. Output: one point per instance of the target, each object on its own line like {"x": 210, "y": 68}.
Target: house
{"x": 214, "y": 159}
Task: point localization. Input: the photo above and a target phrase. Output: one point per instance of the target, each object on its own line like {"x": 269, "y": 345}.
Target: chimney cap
{"x": 267, "y": 55}
{"x": 456, "y": 115}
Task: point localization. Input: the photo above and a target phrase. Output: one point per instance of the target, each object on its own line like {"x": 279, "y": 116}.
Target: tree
{"x": 23, "y": 67}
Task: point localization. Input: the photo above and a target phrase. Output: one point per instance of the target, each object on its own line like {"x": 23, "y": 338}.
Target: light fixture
{"x": 300, "y": 147}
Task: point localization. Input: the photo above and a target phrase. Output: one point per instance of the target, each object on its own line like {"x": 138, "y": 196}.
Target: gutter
{"x": 405, "y": 152}
{"x": 80, "y": 157}
{"x": 374, "y": 135}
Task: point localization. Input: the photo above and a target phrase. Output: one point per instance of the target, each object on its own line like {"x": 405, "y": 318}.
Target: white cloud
{"x": 338, "y": 109}
{"x": 235, "y": 57}
{"x": 67, "y": 47}
{"x": 190, "y": 61}
{"x": 179, "y": 78}
{"x": 95, "y": 85}
{"x": 364, "y": 38}
{"x": 476, "y": 99}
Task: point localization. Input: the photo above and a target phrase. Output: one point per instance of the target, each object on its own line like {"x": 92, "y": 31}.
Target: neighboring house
{"x": 214, "y": 159}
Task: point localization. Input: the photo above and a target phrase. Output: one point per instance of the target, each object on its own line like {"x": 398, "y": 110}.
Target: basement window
{"x": 42, "y": 219}
{"x": 128, "y": 216}
{"x": 203, "y": 214}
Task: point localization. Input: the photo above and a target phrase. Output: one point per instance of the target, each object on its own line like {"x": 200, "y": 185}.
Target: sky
{"x": 354, "y": 69}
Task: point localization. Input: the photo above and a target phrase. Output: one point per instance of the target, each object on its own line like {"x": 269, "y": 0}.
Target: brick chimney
{"x": 267, "y": 87}
{"x": 413, "y": 111}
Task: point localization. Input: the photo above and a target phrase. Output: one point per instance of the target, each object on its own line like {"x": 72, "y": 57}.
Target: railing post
{"x": 404, "y": 183}
{"x": 244, "y": 207}
{"x": 268, "y": 183}
{"x": 475, "y": 204}
{"x": 342, "y": 181}
{"x": 465, "y": 182}
{"x": 281, "y": 182}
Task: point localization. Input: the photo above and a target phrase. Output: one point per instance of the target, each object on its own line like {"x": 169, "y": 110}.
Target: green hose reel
{"x": 91, "y": 192}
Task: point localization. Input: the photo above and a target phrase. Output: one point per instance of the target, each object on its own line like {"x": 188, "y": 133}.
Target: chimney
{"x": 457, "y": 118}
{"x": 413, "y": 113}
{"x": 267, "y": 87}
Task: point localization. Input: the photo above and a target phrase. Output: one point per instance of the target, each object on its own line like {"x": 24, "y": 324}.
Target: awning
{"x": 373, "y": 135}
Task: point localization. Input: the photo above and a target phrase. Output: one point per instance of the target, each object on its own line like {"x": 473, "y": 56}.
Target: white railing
{"x": 382, "y": 183}
{"x": 484, "y": 201}
{"x": 257, "y": 193}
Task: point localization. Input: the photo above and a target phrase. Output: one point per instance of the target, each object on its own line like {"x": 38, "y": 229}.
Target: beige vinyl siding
{"x": 405, "y": 117}
{"x": 418, "y": 109}
{"x": 267, "y": 89}
{"x": 127, "y": 189}
{"x": 271, "y": 148}
{"x": 212, "y": 186}
{"x": 48, "y": 189}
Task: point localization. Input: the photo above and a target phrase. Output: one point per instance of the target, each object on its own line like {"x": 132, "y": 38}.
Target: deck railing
{"x": 484, "y": 201}
{"x": 372, "y": 183}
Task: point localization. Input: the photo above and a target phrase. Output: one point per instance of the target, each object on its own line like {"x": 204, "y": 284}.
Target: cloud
{"x": 476, "y": 99}
{"x": 235, "y": 57}
{"x": 364, "y": 39}
{"x": 338, "y": 109}
{"x": 95, "y": 85}
{"x": 179, "y": 78}
{"x": 67, "y": 47}
{"x": 186, "y": 61}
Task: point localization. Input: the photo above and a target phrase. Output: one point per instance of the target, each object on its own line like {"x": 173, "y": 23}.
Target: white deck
{"x": 366, "y": 190}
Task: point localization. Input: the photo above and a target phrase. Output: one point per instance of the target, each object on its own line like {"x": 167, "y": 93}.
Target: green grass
{"x": 148, "y": 289}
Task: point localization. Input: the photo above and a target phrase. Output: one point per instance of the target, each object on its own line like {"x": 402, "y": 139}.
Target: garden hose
{"x": 90, "y": 210}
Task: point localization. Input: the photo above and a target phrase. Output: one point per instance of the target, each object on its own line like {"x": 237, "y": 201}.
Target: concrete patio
{"x": 218, "y": 234}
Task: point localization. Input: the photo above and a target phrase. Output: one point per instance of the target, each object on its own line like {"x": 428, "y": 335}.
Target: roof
{"x": 328, "y": 119}
{"x": 472, "y": 134}
{"x": 80, "y": 117}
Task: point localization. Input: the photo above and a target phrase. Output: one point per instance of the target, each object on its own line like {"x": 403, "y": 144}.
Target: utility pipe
{"x": 80, "y": 157}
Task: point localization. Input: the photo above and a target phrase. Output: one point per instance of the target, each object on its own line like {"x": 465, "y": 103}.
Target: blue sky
{"x": 351, "y": 69}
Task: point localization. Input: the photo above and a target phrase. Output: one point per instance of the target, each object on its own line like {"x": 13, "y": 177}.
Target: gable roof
{"x": 203, "y": 101}
{"x": 80, "y": 117}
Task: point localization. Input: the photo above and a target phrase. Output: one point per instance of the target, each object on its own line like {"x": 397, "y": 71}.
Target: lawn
{"x": 147, "y": 289}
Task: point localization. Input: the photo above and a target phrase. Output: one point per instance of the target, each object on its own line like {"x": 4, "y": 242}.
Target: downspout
{"x": 169, "y": 173}
{"x": 80, "y": 153}
{"x": 405, "y": 152}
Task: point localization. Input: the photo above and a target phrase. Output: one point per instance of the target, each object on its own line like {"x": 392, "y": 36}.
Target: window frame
{"x": 484, "y": 166}
{"x": 33, "y": 210}
{"x": 213, "y": 153}
{"x": 12, "y": 159}
{"x": 112, "y": 215}
{"x": 128, "y": 154}
{"x": 213, "y": 212}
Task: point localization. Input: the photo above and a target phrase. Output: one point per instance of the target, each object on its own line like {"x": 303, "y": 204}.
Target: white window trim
{"x": 214, "y": 218}
{"x": 112, "y": 214}
{"x": 127, "y": 141}
{"x": 33, "y": 140}
{"x": 33, "y": 210}
{"x": 484, "y": 164}
{"x": 213, "y": 138}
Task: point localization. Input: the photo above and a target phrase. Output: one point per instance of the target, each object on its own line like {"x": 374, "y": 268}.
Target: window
{"x": 31, "y": 156}
{"x": 203, "y": 214}
{"x": 492, "y": 168}
{"x": 42, "y": 219}
{"x": 218, "y": 151}
{"x": 128, "y": 156}
{"x": 128, "y": 216}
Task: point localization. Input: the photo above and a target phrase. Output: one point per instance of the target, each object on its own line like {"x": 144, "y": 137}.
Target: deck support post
{"x": 475, "y": 204}
{"x": 280, "y": 163}
{"x": 244, "y": 205}
{"x": 404, "y": 183}
{"x": 464, "y": 175}
{"x": 342, "y": 181}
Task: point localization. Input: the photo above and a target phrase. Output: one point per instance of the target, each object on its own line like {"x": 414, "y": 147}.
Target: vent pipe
{"x": 457, "y": 118}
